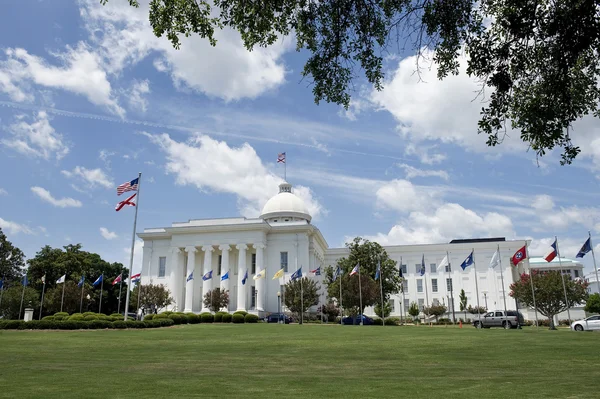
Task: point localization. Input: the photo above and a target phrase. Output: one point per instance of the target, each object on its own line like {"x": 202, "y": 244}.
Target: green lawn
{"x": 310, "y": 361}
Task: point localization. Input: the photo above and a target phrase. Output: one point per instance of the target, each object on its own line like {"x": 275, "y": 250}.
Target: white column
{"x": 174, "y": 277}
{"x": 241, "y": 294}
{"x": 260, "y": 283}
{"x": 207, "y": 268}
{"x": 189, "y": 285}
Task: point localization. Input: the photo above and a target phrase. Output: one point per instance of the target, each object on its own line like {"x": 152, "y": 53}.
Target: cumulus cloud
{"x": 45, "y": 195}
{"x": 107, "y": 234}
{"x": 14, "y": 227}
{"x": 90, "y": 177}
{"x": 412, "y": 172}
{"x": 137, "y": 94}
{"x": 551, "y": 216}
{"x": 403, "y": 196}
{"x": 212, "y": 165}
{"x": 36, "y": 139}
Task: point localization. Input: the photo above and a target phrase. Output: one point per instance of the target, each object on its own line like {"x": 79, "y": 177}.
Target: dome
{"x": 285, "y": 205}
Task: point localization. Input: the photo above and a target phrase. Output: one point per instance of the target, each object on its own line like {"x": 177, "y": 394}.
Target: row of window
{"x": 432, "y": 268}
{"x": 434, "y": 285}
{"x": 421, "y": 303}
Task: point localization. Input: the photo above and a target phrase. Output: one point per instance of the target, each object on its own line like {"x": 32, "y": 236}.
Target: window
{"x": 220, "y": 261}
{"x": 284, "y": 261}
{"x": 406, "y": 305}
{"x": 449, "y": 284}
{"x": 253, "y": 263}
{"x": 392, "y": 306}
{"x": 404, "y": 269}
{"x": 253, "y": 300}
{"x": 448, "y": 268}
{"x": 433, "y": 268}
{"x": 434, "y": 287}
{"x": 499, "y": 314}
{"x": 162, "y": 266}
{"x": 418, "y": 268}
{"x": 419, "y": 285}
{"x": 404, "y": 285}
{"x": 421, "y": 304}
{"x": 436, "y": 302}
{"x": 576, "y": 272}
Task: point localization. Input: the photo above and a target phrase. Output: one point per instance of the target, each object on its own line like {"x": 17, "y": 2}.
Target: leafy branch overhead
{"x": 537, "y": 60}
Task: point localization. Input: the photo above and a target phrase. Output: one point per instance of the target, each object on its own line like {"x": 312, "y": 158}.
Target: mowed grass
{"x": 292, "y": 361}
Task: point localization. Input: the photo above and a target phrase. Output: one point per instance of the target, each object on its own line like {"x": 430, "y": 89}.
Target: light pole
{"x": 485, "y": 298}
{"x": 278, "y": 307}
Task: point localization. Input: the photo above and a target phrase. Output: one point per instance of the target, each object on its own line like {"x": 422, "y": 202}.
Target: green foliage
{"x": 462, "y": 300}
{"x": 392, "y": 321}
{"x": 12, "y": 260}
{"x": 177, "y": 319}
{"x": 90, "y": 317}
{"x": 251, "y": 318}
{"x": 387, "y": 308}
{"x": 48, "y": 318}
{"x": 216, "y": 299}
{"x": 413, "y": 310}
{"x": 219, "y": 317}
{"x": 148, "y": 317}
{"x": 301, "y": 294}
{"x": 549, "y": 293}
{"x": 68, "y": 324}
{"x": 119, "y": 324}
{"x": 330, "y": 311}
{"x": 377, "y": 322}
{"x": 237, "y": 318}
{"x": 163, "y": 315}
{"x": 227, "y": 317}
{"x": 435, "y": 310}
{"x": 242, "y": 312}
{"x": 207, "y": 317}
{"x": 592, "y": 305}
{"x": 11, "y": 301}
{"x": 476, "y": 310}
{"x": 76, "y": 317}
{"x": 154, "y": 296}
{"x": 192, "y": 318}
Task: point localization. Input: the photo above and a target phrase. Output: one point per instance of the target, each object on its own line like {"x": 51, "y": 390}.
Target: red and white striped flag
{"x": 128, "y": 186}
{"x": 136, "y": 277}
{"x": 128, "y": 201}
{"x": 117, "y": 280}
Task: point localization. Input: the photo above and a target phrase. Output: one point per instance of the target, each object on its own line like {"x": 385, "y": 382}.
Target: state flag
{"x": 297, "y": 274}
{"x": 467, "y": 262}
{"x": 356, "y": 270}
{"x": 207, "y": 275}
{"x": 129, "y": 201}
{"x": 279, "y": 274}
{"x": 225, "y": 276}
{"x": 98, "y": 280}
{"x": 245, "y": 277}
{"x": 587, "y": 247}
{"x": 553, "y": 253}
{"x": 519, "y": 256}
{"x": 260, "y": 274}
{"x": 62, "y": 279}
{"x": 80, "y": 283}
{"x": 316, "y": 272}
{"x": 190, "y": 277}
{"x": 377, "y": 272}
{"x": 136, "y": 278}
{"x": 117, "y": 280}
{"x": 495, "y": 260}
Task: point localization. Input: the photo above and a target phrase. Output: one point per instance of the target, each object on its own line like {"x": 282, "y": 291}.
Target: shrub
{"x": 237, "y": 318}
{"x": 69, "y": 325}
{"x": 162, "y": 316}
{"x": 133, "y": 324}
{"x": 251, "y": 318}
{"x": 76, "y": 317}
{"x": 104, "y": 317}
{"x": 166, "y": 322}
{"x": 177, "y": 319}
{"x": 61, "y": 316}
{"x": 219, "y": 317}
{"x": 14, "y": 325}
{"x": 392, "y": 321}
{"x": 99, "y": 324}
{"x": 3, "y": 324}
{"x": 148, "y": 317}
{"x": 89, "y": 314}
{"x": 116, "y": 316}
{"x": 119, "y": 324}
{"x": 226, "y": 318}
{"x": 193, "y": 318}
{"x": 167, "y": 313}
{"x": 377, "y": 322}
{"x": 90, "y": 317}
{"x": 242, "y": 312}
{"x": 47, "y": 325}
{"x": 207, "y": 317}
{"x": 444, "y": 320}
{"x": 152, "y": 323}
{"x": 48, "y": 318}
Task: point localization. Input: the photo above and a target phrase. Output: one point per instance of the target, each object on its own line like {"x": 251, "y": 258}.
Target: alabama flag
{"x": 552, "y": 253}
{"x": 128, "y": 201}
{"x": 519, "y": 256}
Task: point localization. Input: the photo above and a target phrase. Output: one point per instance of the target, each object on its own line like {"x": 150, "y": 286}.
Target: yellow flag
{"x": 260, "y": 274}
{"x": 279, "y": 274}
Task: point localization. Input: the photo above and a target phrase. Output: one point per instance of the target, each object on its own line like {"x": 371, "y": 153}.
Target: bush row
{"x": 87, "y": 316}
{"x": 192, "y": 318}
{"x": 81, "y": 324}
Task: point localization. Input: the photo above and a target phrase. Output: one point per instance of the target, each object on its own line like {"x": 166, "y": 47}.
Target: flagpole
{"x": 401, "y": 289}
{"x": 42, "y": 301}
{"x": 301, "y": 300}
{"x": 537, "y": 324}
{"x": 360, "y": 295}
{"x": 101, "y": 289}
{"x": 62, "y": 300}
{"x": 477, "y": 287}
{"x": 120, "y": 288}
{"x": 341, "y": 307}
{"x": 595, "y": 267}
{"x": 451, "y": 287}
{"x": 381, "y": 290}
{"x": 502, "y": 280}
{"x": 285, "y": 168}
{"x": 22, "y": 297}
{"x": 425, "y": 280}
{"x": 2, "y": 288}
{"x": 562, "y": 277}
{"x": 137, "y": 206}
{"x": 81, "y": 300}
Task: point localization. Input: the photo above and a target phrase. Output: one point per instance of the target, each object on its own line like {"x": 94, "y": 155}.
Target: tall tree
{"x": 216, "y": 299}
{"x": 549, "y": 293}
{"x": 301, "y": 295}
{"x": 538, "y": 59}
{"x": 463, "y": 302}
{"x": 155, "y": 297}
{"x": 12, "y": 259}
{"x": 11, "y": 301}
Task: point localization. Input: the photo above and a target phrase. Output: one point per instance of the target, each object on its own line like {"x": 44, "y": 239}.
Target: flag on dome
{"x": 136, "y": 278}
{"x": 62, "y": 279}
{"x": 128, "y": 201}
{"x": 281, "y": 157}
{"x": 118, "y": 279}
{"x": 316, "y": 272}
{"x": 552, "y": 254}
{"x": 297, "y": 274}
{"x": 279, "y": 274}
{"x": 519, "y": 256}
{"x": 260, "y": 274}
{"x": 190, "y": 277}
{"x": 355, "y": 270}
{"x": 587, "y": 247}
{"x": 98, "y": 280}
{"x": 225, "y": 276}
{"x": 245, "y": 277}
{"x": 207, "y": 275}
{"x": 80, "y": 283}
{"x": 128, "y": 186}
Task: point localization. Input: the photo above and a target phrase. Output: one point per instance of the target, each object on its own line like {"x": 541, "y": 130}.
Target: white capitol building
{"x": 283, "y": 237}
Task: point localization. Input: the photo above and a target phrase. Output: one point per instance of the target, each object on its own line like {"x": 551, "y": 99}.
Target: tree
{"x": 12, "y": 260}
{"x": 549, "y": 293}
{"x": 72, "y": 299}
{"x": 298, "y": 298}
{"x": 216, "y": 299}
{"x": 539, "y": 60}
{"x": 330, "y": 310}
{"x": 368, "y": 255}
{"x": 387, "y": 308}
{"x": 436, "y": 310}
{"x": 592, "y": 305}
{"x": 11, "y": 301}
{"x": 413, "y": 310}
{"x": 463, "y": 302}
{"x": 154, "y": 297}
{"x": 476, "y": 309}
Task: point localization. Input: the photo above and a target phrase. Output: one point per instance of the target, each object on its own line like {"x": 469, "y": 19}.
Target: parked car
{"x": 367, "y": 321}
{"x": 278, "y": 317}
{"x": 497, "y": 318}
{"x": 588, "y": 324}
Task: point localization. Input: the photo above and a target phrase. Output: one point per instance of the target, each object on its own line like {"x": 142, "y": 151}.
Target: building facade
{"x": 233, "y": 251}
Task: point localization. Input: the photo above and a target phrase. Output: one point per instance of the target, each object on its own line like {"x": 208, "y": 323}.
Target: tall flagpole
{"x": 451, "y": 286}
{"x": 502, "y": 281}
{"x": 137, "y": 206}
{"x": 2, "y": 288}
{"x": 537, "y": 324}
{"x": 341, "y": 307}
{"x": 22, "y": 297}
{"x": 381, "y": 291}
{"x": 120, "y": 288}
{"x": 81, "y": 300}
{"x": 360, "y": 295}
{"x": 62, "y": 300}
{"x": 595, "y": 267}
{"x": 402, "y": 289}
{"x": 477, "y": 286}
{"x": 301, "y": 299}
{"x": 42, "y": 301}
{"x": 425, "y": 280}
{"x": 562, "y": 277}
{"x": 101, "y": 289}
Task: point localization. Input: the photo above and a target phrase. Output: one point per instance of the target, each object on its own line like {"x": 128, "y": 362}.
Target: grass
{"x": 310, "y": 361}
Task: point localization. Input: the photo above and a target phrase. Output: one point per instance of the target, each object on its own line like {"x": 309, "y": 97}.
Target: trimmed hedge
{"x": 49, "y": 318}
{"x": 80, "y": 324}
{"x": 226, "y": 318}
{"x": 237, "y": 318}
{"x": 177, "y": 319}
{"x": 242, "y": 312}
{"x": 61, "y": 316}
{"x": 76, "y": 317}
{"x": 392, "y": 321}
{"x": 192, "y": 318}
{"x": 148, "y": 317}
{"x": 90, "y": 317}
{"x": 377, "y": 322}
{"x": 207, "y": 317}
{"x": 251, "y": 318}
{"x": 161, "y": 316}
{"x": 219, "y": 317}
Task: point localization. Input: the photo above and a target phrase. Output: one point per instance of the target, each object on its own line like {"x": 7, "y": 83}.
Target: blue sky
{"x": 89, "y": 98}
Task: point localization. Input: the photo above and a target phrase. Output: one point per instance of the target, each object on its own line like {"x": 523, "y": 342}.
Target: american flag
{"x": 281, "y": 157}
{"x": 129, "y": 186}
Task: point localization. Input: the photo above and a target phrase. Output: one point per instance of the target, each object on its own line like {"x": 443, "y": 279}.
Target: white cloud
{"x": 423, "y": 152}
{"x": 81, "y": 73}
{"x": 61, "y": 203}
{"x": 403, "y": 196}
{"x": 36, "y": 139}
{"x": 15, "y": 228}
{"x": 90, "y": 177}
{"x": 212, "y": 165}
{"x": 227, "y": 71}
{"x": 549, "y": 216}
{"x": 109, "y": 235}
{"x": 411, "y": 172}
{"x": 105, "y": 156}
{"x": 356, "y": 107}
{"x": 3, "y": 191}
{"x": 136, "y": 95}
